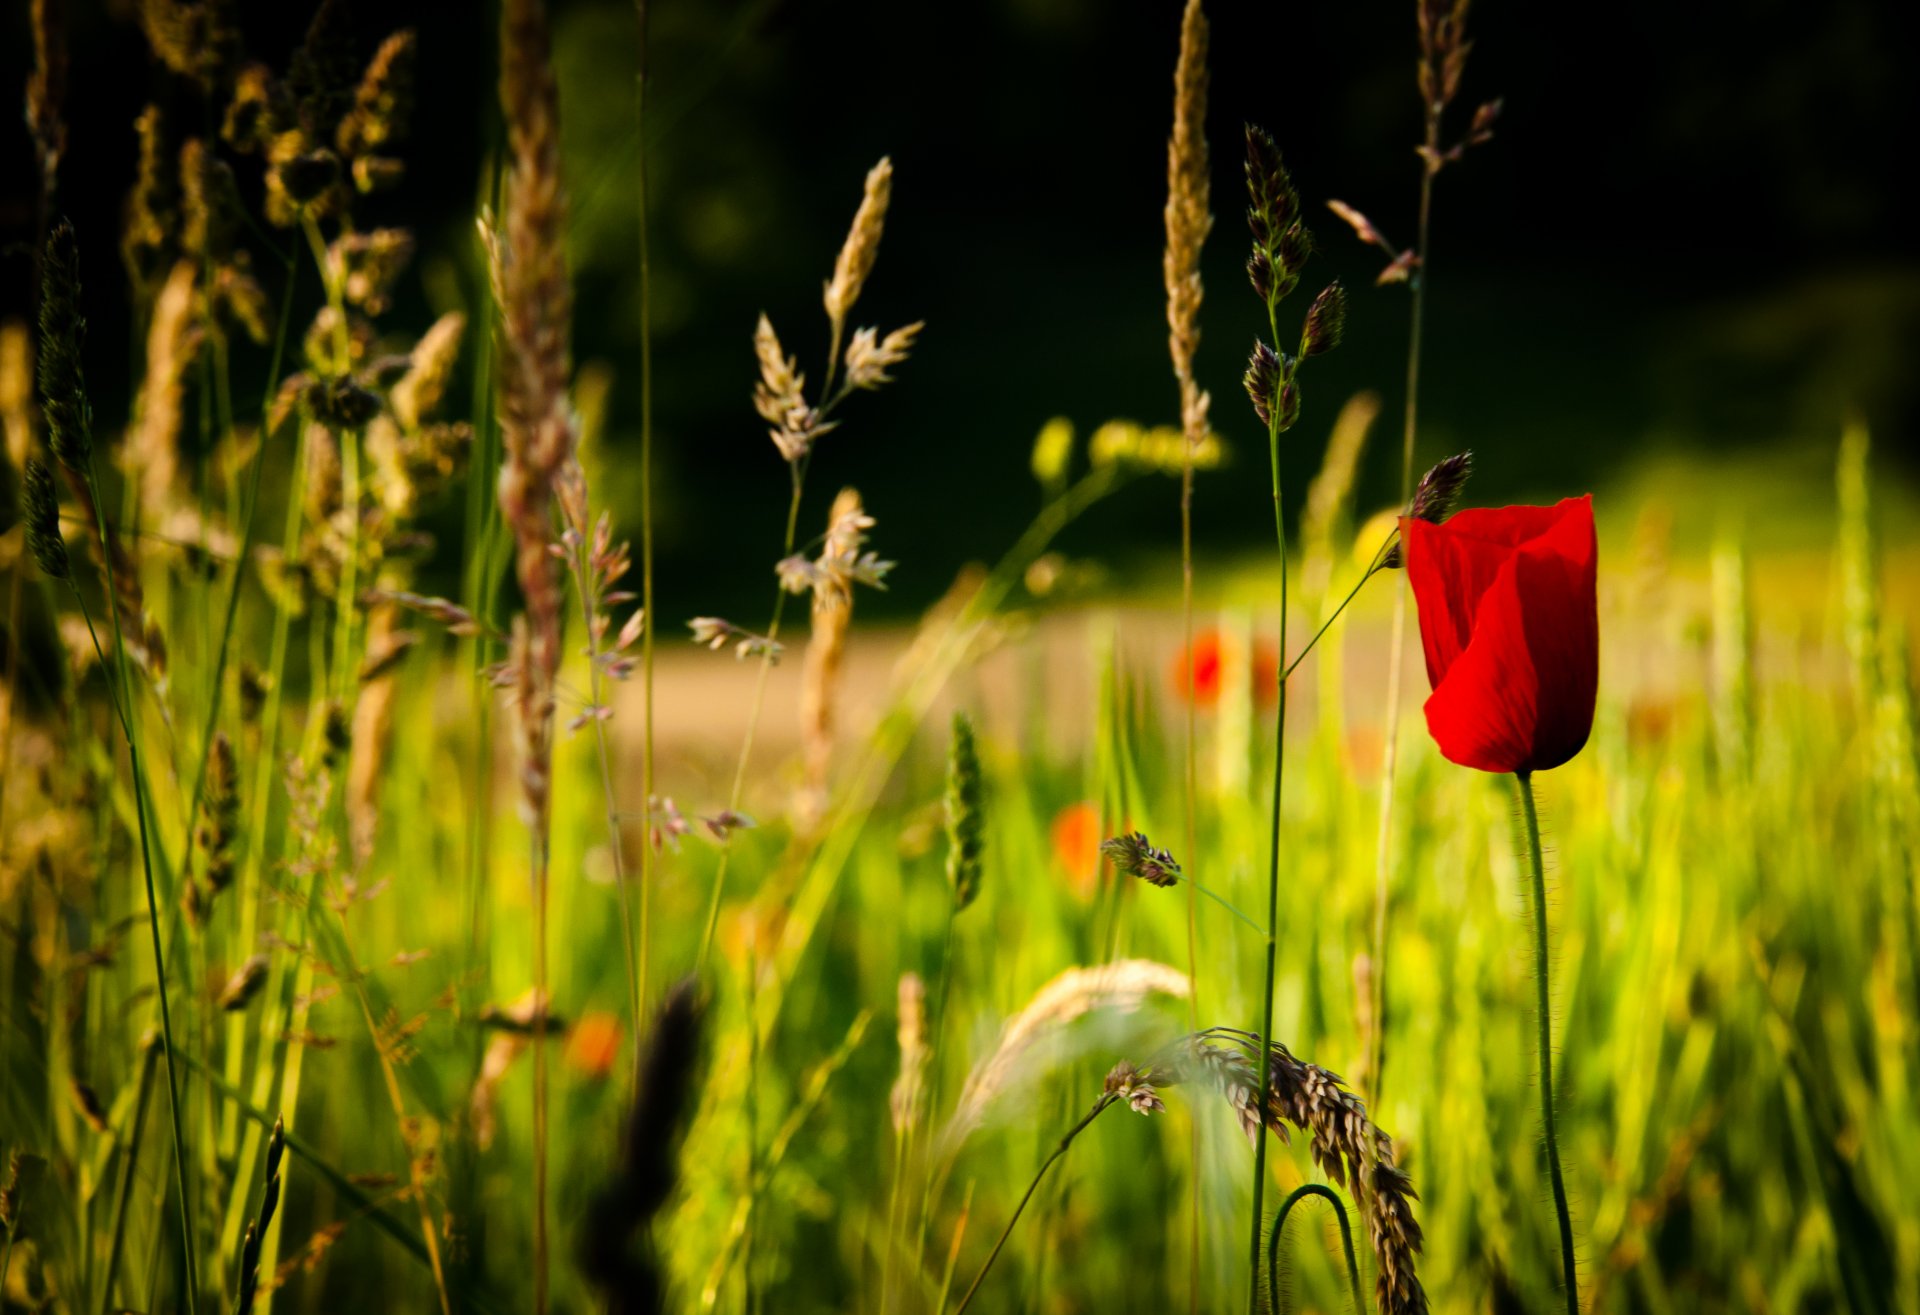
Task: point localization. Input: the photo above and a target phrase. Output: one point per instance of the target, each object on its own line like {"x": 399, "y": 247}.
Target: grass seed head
{"x": 862, "y": 247}
{"x": 63, "y": 330}
{"x": 966, "y": 819}
{"x": 41, "y": 503}
{"x": 1136, "y": 856}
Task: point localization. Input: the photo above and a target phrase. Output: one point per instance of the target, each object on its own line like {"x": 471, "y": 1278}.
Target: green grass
{"x": 1734, "y": 994}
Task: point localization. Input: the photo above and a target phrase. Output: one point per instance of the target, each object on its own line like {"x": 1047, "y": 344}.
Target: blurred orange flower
{"x": 1076, "y": 845}
{"x": 1198, "y": 671}
{"x": 593, "y": 1045}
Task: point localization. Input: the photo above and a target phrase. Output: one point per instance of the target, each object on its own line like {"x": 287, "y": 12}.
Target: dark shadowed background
{"x": 1686, "y": 236}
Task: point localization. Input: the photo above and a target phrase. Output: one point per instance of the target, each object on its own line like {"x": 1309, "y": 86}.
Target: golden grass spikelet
{"x": 909, "y": 1087}
{"x": 869, "y": 356}
{"x": 47, "y": 90}
{"x": 16, "y": 391}
{"x": 860, "y": 250}
{"x": 529, "y": 270}
{"x": 1189, "y": 217}
{"x": 1124, "y": 984}
{"x": 420, "y": 391}
{"x": 827, "y": 646}
{"x": 173, "y": 344}
{"x": 382, "y": 101}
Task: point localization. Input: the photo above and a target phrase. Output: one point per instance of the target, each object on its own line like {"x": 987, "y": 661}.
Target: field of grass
{"x": 493, "y": 951}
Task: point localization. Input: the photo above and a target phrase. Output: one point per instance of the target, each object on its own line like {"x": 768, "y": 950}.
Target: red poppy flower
{"x": 1511, "y": 632}
{"x": 1198, "y": 672}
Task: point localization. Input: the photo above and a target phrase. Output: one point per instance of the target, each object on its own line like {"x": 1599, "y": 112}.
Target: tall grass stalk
{"x": 646, "y": 503}
{"x": 1188, "y": 220}
{"x": 123, "y": 705}
{"x": 1543, "y": 1020}
{"x": 1273, "y": 838}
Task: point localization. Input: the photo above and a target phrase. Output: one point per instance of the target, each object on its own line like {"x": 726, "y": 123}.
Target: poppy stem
{"x": 1544, "y": 1018}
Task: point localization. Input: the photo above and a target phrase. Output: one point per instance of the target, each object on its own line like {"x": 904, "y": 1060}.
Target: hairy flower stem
{"x": 1099, "y": 1107}
{"x": 1273, "y": 861}
{"x": 1397, "y": 647}
{"x": 122, "y": 682}
{"x": 1294, "y": 1197}
{"x": 798, "y": 472}
{"x": 1544, "y": 1020}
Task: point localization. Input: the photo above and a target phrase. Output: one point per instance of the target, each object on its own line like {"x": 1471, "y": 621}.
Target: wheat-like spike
{"x": 861, "y": 249}
{"x": 1188, "y": 216}
{"x": 1125, "y": 984}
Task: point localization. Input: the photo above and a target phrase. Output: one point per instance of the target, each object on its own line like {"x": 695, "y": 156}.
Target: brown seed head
{"x": 862, "y": 247}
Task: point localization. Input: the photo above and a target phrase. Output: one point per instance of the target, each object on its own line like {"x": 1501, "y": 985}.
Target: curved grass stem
{"x": 1294, "y": 1197}
{"x": 1544, "y": 1020}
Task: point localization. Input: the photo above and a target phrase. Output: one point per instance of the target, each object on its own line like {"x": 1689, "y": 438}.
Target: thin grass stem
{"x": 1099, "y": 1107}
{"x": 123, "y": 705}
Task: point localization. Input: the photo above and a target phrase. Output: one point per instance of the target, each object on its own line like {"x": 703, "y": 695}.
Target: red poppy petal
{"x": 1508, "y": 526}
{"x": 1483, "y": 711}
{"x": 1449, "y": 574}
{"x": 1520, "y": 697}
{"x": 1556, "y": 574}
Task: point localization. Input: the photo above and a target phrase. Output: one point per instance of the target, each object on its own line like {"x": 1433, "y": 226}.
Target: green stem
{"x": 1294, "y": 1197}
{"x": 1396, "y": 651}
{"x": 1223, "y": 903}
{"x": 1273, "y": 863}
{"x": 1544, "y": 1020}
{"x": 123, "y": 705}
{"x": 798, "y": 472}
{"x": 1099, "y": 1107}
{"x": 123, "y": 1189}
{"x": 1334, "y": 615}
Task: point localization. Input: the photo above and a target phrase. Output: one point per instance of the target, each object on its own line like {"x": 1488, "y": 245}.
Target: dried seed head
{"x": 244, "y": 985}
{"x": 1439, "y": 488}
{"x": 368, "y": 265}
{"x": 1135, "y": 856}
{"x": 867, "y": 361}
{"x": 908, "y": 1088}
{"x": 429, "y": 370}
{"x": 197, "y": 39}
{"x": 1434, "y": 498}
{"x": 149, "y": 236}
{"x": 1265, "y": 377}
{"x": 1260, "y": 273}
{"x": 862, "y": 247}
{"x": 220, "y": 812}
{"x": 260, "y": 110}
{"x": 1273, "y": 203}
{"x": 1189, "y": 217}
{"x": 254, "y": 686}
{"x": 966, "y": 818}
{"x": 782, "y": 387}
{"x": 382, "y": 101}
{"x": 63, "y": 385}
{"x": 209, "y": 202}
{"x": 41, "y": 505}
{"x": 1125, "y": 1082}
{"x": 1326, "y": 321}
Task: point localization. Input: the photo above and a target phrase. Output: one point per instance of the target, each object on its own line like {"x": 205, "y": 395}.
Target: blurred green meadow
{"x": 822, "y": 987}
